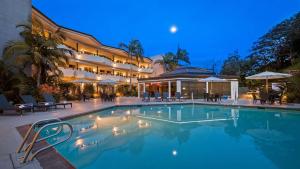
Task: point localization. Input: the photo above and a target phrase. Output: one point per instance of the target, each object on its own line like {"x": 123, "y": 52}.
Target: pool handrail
{"x": 35, "y": 140}
{"x": 32, "y": 127}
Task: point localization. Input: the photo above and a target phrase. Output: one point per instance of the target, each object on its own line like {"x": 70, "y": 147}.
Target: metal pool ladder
{"x": 56, "y": 124}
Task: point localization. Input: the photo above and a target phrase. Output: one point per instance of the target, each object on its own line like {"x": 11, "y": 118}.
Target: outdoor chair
{"x": 275, "y": 96}
{"x": 146, "y": 97}
{"x": 263, "y": 97}
{"x": 28, "y": 99}
{"x": 255, "y": 98}
{"x": 157, "y": 96}
{"x": 217, "y": 97}
{"x": 6, "y": 106}
{"x": 178, "y": 96}
{"x": 166, "y": 96}
{"x": 86, "y": 96}
{"x": 103, "y": 97}
{"x": 205, "y": 96}
{"x": 108, "y": 97}
{"x": 278, "y": 98}
{"x": 112, "y": 97}
{"x": 210, "y": 97}
{"x": 50, "y": 99}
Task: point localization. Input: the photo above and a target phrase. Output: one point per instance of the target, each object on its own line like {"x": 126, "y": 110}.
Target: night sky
{"x": 208, "y": 29}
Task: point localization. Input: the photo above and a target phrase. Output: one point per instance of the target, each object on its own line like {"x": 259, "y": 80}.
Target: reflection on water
{"x": 185, "y": 136}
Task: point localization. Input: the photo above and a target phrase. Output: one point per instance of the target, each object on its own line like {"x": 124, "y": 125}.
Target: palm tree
{"x": 171, "y": 61}
{"x": 167, "y": 62}
{"x": 134, "y": 49}
{"x": 39, "y": 50}
{"x": 182, "y": 56}
{"x": 13, "y": 80}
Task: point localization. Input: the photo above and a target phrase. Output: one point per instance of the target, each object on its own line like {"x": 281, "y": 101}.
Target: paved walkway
{"x": 10, "y": 138}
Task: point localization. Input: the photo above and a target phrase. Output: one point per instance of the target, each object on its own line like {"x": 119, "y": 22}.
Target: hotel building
{"x": 94, "y": 61}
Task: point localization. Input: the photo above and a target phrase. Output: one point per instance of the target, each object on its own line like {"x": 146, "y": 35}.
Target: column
{"x": 139, "y": 92}
{"x": 77, "y": 47}
{"x": 206, "y": 87}
{"x": 169, "y": 87}
{"x": 178, "y": 86}
{"x": 234, "y": 90}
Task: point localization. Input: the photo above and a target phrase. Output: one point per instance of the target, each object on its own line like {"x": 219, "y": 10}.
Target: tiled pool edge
{"x": 178, "y": 103}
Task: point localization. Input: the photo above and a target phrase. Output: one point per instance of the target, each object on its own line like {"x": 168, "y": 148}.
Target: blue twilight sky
{"x": 208, "y": 29}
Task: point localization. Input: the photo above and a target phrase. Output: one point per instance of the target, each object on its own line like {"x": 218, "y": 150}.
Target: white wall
{"x": 157, "y": 68}
{"x": 12, "y": 13}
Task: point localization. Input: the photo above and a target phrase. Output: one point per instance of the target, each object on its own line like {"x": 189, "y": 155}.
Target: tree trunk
{"x": 130, "y": 80}
{"x": 38, "y": 77}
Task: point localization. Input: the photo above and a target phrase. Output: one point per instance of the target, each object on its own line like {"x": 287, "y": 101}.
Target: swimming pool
{"x": 185, "y": 136}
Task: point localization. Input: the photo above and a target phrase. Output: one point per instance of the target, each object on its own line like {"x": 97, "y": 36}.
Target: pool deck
{"x": 10, "y": 137}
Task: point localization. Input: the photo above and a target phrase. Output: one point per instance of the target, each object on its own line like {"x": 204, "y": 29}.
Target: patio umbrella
{"x": 268, "y": 75}
{"x": 107, "y": 82}
{"x": 212, "y": 79}
{"x": 81, "y": 81}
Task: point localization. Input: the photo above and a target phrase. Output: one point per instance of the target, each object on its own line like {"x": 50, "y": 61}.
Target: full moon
{"x": 173, "y": 29}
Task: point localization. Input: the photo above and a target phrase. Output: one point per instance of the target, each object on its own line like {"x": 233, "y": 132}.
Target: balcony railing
{"x": 108, "y": 62}
{"x": 95, "y": 59}
{"x": 93, "y": 76}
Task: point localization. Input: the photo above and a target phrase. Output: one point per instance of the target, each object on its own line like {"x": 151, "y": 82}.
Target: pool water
{"x": 185, "y": 136}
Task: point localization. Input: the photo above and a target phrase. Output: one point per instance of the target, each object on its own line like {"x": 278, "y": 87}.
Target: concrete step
{"x": 16, "y": 162}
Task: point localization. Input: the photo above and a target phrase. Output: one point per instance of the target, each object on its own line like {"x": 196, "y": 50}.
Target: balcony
{"x": 122, "y": 66}
{"x": 93, "y": 76}
{"x": 94, "y": 59}
{"x": 146, "y": 70}
{"x": 105, "y": 61}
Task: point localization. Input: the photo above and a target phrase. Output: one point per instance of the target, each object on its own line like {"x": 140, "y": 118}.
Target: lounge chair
{"x": 6, "y": 106}
{"x": 157, "y": 96}
{"x": 178, "y": 96}
{"x": 28, "y": 99}
{"x": 166, "y": 97}
{"x": 50, "y": 99}
{"x": 146, "y": 97}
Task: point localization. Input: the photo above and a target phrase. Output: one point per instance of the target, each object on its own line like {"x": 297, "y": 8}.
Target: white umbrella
{"x": 81, "y": 81}
{"x": 268, "y": 75}
{"x": 62, "y": 47}
{"x": 107, "y": 82}
{"x": 212, "y": 79}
